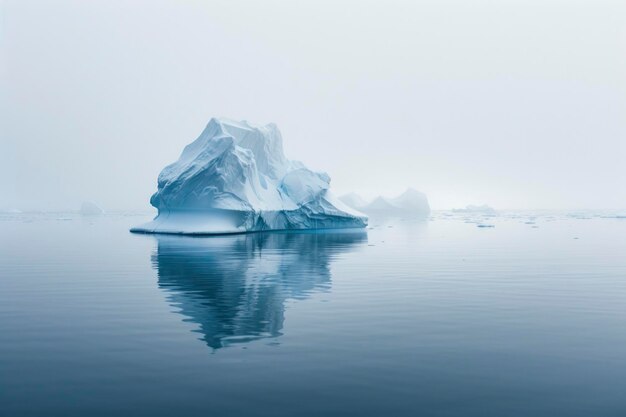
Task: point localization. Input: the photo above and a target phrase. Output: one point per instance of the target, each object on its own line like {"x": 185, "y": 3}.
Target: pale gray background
{"x": 518, "y": 104}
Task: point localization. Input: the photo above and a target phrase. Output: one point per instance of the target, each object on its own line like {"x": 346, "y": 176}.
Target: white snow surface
{"x": 235, "y": 178}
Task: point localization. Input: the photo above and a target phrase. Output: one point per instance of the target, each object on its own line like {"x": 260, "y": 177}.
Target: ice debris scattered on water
{"x": 235, "y": 178}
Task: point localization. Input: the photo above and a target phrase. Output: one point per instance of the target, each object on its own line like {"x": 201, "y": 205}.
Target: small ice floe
{"x": 485, "y": 225}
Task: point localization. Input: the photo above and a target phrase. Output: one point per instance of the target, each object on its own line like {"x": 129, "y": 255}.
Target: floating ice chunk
{"x": 235, "y": 178}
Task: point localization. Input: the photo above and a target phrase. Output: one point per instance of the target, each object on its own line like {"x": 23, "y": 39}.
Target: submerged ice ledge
{"x": 235, "y": 178}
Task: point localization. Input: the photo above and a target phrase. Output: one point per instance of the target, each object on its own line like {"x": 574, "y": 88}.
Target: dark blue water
{"x": 428, "y": 318}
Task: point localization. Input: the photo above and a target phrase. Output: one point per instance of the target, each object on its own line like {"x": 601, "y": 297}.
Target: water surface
{"x": 406, "y": 318}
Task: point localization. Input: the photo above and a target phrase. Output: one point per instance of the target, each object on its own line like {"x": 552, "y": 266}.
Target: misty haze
{"x": 312, "y": 208}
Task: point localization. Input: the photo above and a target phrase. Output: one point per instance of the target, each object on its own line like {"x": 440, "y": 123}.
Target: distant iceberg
{"x": 484, "y": 209}
{"x": 353, "y": 200}
{"x": 89, "y": 208}
{"x": 235, "y": 178}
{"x": 11, "y": 211}
{"x": 411, "y": 203}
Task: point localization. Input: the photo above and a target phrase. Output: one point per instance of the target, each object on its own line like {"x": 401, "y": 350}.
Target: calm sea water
{"x": 406, "y": 318}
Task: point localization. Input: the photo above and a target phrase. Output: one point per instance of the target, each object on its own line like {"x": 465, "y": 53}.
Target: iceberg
{"x": 484, "y": 209}
{"x": 411, "y": 203}
{"x": 353, "y": 200}
{"x": 235, "y": 178}
{"x": 89, "y": 208}
{"x": 11, "y": 211}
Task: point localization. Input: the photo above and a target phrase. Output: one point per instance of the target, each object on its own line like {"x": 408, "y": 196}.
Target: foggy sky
{"x": 517, "y": 104}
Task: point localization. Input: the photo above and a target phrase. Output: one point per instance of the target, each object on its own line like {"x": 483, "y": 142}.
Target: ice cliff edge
{"x": 235, "y": 178}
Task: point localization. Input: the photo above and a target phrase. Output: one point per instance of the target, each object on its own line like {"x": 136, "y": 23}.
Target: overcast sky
{"x": 517, "y": 104}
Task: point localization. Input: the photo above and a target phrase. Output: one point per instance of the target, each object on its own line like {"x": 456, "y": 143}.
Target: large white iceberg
{"x": 235, "y": 178}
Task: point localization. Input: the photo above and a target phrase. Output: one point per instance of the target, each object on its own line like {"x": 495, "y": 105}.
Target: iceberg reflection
{"x": 235, "y": 287}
